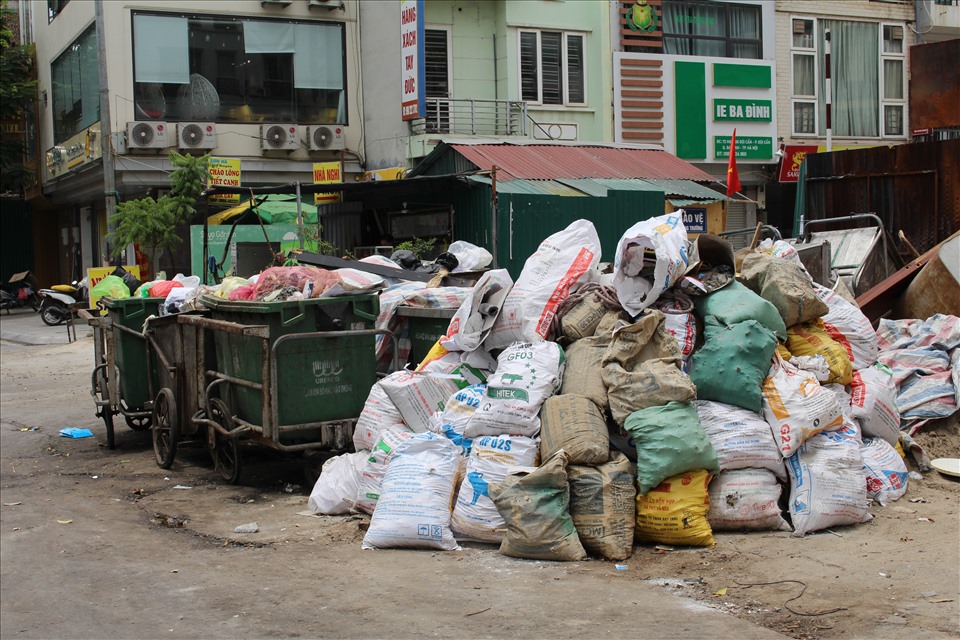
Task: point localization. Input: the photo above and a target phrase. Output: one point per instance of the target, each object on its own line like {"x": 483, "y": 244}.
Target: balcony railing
{"x": 473, "y": 117}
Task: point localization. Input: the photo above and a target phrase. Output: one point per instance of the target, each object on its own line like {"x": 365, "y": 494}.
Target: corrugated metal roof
{"x": 680, "y": 203}
{"x": 600, "y": 186}
{"x": 531, "y": 187}
{"x": 546, "y": 161}
{"x": 687, "y": 189}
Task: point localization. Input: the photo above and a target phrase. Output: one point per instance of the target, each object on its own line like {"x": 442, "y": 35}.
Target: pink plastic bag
{"x": 243, "y": 293}
{"x": 295, "y": 278}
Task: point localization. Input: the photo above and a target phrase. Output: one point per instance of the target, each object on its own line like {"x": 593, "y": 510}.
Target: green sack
{"x": 735, "y": 303}
{"x": 732, "y": 363}
{"x": 111, "y": 287}
{"x": 669, "y": 441}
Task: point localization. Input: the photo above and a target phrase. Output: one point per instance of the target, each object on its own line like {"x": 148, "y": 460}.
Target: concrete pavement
{"x": 24, "y": 326}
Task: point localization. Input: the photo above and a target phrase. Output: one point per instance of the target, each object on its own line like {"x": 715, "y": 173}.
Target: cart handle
{"x": 363, "y": 314}
{"x": 286, "y": 322}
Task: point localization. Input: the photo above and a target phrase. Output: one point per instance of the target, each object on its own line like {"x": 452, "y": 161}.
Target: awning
{"x": 273, "y": 209}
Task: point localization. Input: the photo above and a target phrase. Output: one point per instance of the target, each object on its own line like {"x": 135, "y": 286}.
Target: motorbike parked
{"x": 56, "y": 301}
{"x": 18, "y": 293}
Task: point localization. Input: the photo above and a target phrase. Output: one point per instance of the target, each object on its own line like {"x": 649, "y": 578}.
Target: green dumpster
{"x": 317, "y": 379}
{"x": 130, "y": 352}
{"x": 425, "y": 325}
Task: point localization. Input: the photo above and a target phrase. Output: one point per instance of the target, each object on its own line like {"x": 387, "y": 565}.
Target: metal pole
{"x": 829, "y": 90}
{"x": 106, "y": 132}
{"x": 494, "y": 216}
{"x": 300, "y": 213}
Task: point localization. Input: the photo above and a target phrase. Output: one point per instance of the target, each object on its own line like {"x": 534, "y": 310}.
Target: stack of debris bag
{"x": 573, "y": 413}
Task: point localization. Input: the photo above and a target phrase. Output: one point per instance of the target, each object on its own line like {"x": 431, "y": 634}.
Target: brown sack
{"x": 641, "y": 368}
{"x": 576, "y": 425}
{"x": 785, "y": 285}
{"x": 603, "y": 507}
{"x": 582, "y": 374}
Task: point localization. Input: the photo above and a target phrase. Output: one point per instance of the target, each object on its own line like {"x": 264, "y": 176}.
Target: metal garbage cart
{"x": 292, "y": 375}
{"x": 119, "y": 381}
{"x": 426, "y": 325}
{"x": 178, "y": 353}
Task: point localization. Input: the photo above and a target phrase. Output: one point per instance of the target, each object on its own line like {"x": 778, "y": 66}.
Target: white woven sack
{"x": 378, "y": 413}
{"x": 873, "y": 402}
{"x": 562, "y": 261}
{"x": 827, "y": 487}
{"x": 741, "y": 438}
{"x": 527, "y": 374}
{"x": 664, "y": 236}
{"x": 886, "y": 472}
{"x": 475, "y": 517}
{"x": 745, "y": 499}
{"x": 337, "y": 485}
{"x": 414, "y": 506}
{"x": 371, "y": 475}
{"x": 796, "y": 407}
{"x": 847, "y": 325}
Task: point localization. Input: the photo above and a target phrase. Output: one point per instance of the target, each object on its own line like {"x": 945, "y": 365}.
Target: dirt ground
{"x": 99, "y": 543}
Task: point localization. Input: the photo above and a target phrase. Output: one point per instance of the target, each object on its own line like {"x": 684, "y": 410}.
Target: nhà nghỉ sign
{"x": 327, "y": 173}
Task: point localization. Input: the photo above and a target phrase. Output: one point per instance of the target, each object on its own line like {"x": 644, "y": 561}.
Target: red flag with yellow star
{"x": 733, "y": 178}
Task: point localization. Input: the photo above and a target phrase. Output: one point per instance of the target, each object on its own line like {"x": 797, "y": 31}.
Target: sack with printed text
{"x": 741, "y": 438}
{"x": 849, "y": 327}
{"x": 576, "y": 425}
{"x": 414, "y": 506}
{"x": 796, "y": 407}
{"x": 873, "y": 402}
{"x": 651, "y": 256}
{"x": 885, "y": 471}
{"x": 812, "y": 339}
{"x": 827, "y": 487}
{"x": 583, "y": 374}
{"x": 371, "y": 476}
{"x": 561, "y": 262}
{"x": 475, "y": 517}
{"x": 603, "y": 506}
{"x": 478, "y": 312}
{"x": 378, "y": 413}
{"x": 675, "y": 511}
{"x": 417, "y": 396}
{"x": 527, "y": 374}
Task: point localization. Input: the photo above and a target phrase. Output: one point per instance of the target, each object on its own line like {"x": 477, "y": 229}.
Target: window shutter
{"x": 552, "y": 65}
{"x": 529, "y": 77}
{"x": 435, "y": 62}
{"x": 575, "y": 69}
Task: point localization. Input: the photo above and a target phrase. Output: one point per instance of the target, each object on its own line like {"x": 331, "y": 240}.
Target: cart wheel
{"x": 103, "y": 395}
{"x": 225, "y": 451}
{"x": 138, "y": 423}
{"x": 165, "y": 428}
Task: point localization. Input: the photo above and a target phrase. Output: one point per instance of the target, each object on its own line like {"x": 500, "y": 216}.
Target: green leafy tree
{"x": 17, "y": 93}
{"x": 421, "y": 247}
{"x": 153, "y": 225}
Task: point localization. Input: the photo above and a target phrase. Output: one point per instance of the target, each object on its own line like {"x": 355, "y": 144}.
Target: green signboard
{"x": 244, "y": 233}
{"x": 726, "y": 109}
{"x": 742, "y": 75}
{"x": 748, "y": 148}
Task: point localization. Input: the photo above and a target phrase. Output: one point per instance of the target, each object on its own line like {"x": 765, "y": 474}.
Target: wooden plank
{"x": 641, "y": 73}
{"x": 640, "y": 93}
{"x": 641, "y": 83}
{"x": 647, "y": 115}
{"x": 640, "y": 62}
{"x": 641, "y": 104}
{"x": 642, "y": 135}
{"x": 634, "y": 124}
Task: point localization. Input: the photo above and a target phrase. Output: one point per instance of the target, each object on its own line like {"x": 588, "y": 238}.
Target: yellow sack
{"x": 675, "y": 512}
{"x": 812, "y": 339}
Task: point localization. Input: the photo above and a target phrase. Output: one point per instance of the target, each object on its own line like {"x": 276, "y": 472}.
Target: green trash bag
{"x": 735, "y": 303}
{"x": 732, "y": 363}
{"x": 669, "y": 441}
{"x": 111, "y": 287}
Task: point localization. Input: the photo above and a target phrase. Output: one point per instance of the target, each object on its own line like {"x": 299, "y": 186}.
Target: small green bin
{"x": 319, "y": 379}
{"x": 426, "y": 325}
{"x": 130, "y": 352}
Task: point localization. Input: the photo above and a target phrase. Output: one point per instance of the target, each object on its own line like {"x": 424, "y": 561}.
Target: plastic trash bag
{"x": 111, "y": 287}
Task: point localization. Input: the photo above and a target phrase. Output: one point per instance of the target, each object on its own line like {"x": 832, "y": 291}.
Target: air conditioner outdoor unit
{"x": 326, "y": 138}
{"x": 196, "y": 135}
{"x": 279, "y": 137}
{"x": 325, "y": 4}
{"x": 277, "y": 3}
{"x": 148, "y": 135}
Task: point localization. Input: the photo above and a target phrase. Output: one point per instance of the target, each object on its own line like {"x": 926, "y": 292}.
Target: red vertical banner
{"x": 733, "y": 178}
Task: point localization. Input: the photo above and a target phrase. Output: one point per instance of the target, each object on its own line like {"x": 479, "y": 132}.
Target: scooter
{"x": 18, "y": 294}
{"x": 55, "y": 301}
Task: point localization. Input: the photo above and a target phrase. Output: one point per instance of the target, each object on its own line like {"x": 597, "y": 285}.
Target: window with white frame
{"x": 552, "y": 69}
{"x": 867, "y": 70}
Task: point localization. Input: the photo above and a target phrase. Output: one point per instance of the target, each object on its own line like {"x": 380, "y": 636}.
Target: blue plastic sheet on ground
{"x": 74, "y": 432}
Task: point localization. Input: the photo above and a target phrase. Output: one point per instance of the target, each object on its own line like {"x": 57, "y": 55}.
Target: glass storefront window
{"x": 75, "y": 87}
{"x": 238, "y": 70}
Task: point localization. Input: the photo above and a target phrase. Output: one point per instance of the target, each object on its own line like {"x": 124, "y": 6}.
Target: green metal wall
{"x": 534, "y": 217}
